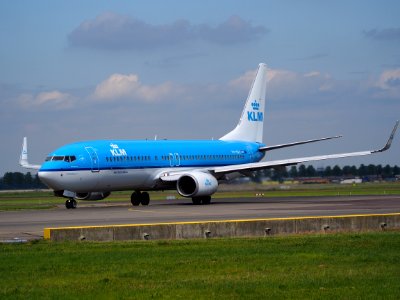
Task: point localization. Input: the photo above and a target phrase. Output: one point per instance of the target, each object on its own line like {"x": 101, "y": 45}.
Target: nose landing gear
{"x": 140, "y": 198}
{"x": 70, "y": 203}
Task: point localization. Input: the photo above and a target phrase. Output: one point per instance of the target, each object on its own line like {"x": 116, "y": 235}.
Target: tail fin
{"x": 23, "y": 160}
{"x": 251, "y": 123}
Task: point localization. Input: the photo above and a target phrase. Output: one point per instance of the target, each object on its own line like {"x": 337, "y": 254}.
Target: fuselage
{"x": 111, "y": 165}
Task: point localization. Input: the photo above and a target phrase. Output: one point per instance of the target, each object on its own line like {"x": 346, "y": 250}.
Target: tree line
{"x": 18, "y": 180}
{"x": 363, "y": 171}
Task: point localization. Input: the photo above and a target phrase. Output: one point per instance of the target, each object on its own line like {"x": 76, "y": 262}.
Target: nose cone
{"x": 51, "y": 179}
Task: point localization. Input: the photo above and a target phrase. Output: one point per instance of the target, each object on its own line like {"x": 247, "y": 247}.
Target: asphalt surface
{"x": 29, "y": 224}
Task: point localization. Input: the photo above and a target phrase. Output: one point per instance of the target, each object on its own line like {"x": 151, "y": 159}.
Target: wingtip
{"x": 390, "y": 140}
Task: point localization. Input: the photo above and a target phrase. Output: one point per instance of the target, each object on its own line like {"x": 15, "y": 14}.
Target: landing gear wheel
{"x": 196, "y": 200}
{"x": 135, "y": 198}
{"x": 70, "y": 203}
{"x": 73, "y": 203}
{"x": 201, "y": 200}
{"x": 206, "y": 200}
{"x": 145, "y": 198}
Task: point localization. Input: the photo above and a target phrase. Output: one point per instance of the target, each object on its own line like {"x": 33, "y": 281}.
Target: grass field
{"x": 347, "y": 266}
{"x": 46, "y": 200}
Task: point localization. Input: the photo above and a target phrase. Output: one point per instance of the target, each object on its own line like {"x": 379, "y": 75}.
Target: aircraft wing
{"x": 294, "y": 161}
{"x": 269, "y": 148}
{"x": 171, "y": 176}
{"x": 283, "y": 162}
{"x": 23, "y": 160}
{"x": 175, "y": 175}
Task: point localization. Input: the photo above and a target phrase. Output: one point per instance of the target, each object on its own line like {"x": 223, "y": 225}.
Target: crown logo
{"x": 255, "y": 105}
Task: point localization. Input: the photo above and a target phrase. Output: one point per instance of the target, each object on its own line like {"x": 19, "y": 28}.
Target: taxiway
{"x": 29, "y": 224}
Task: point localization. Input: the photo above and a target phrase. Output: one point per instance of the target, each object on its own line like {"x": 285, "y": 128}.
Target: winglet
{"x": 23, "y": 160}
{"x": 389, "y": 142}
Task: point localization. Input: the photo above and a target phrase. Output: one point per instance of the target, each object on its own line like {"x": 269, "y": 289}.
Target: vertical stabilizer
{"x": 23, "y": 160}
{"x": 251, "y": 123}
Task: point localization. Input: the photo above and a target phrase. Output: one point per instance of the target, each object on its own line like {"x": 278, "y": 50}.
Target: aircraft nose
{"x": 51, "y": 179}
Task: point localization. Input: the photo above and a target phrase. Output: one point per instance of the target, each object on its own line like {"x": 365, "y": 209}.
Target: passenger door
{"x": 94, "y": 159}
{"x": 174, "y": 160}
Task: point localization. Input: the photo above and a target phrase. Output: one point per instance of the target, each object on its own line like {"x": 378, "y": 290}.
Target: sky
{"x": 86, "y": 70}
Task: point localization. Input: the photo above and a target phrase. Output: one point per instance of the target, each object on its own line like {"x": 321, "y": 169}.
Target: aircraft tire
{"x": 206, "y": 200}
{"x": 135, "y": 198}
{"x": 68, "y": 204}
{"x": 145, "y": 198}
{"x": 196, "y": 200}
{"x": 73, "y": 203}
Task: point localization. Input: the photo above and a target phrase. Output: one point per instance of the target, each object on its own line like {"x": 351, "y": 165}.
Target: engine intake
{"x": 196, "y": 184}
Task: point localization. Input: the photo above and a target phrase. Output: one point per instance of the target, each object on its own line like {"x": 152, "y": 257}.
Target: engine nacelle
{"x": 92, "y": 196}
{"x": 196, "y": 184}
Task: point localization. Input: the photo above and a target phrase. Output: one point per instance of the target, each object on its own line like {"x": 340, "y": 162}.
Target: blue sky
{"x": 77, "y": 70}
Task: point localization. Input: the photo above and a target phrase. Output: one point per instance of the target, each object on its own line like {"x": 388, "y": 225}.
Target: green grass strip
{"x": 345, "y": 266}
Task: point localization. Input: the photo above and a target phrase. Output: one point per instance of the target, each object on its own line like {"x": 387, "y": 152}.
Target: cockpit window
{"x": 57, "y": 157}
{"x": 67, "y": 158}
{"x": 70, "y": 158}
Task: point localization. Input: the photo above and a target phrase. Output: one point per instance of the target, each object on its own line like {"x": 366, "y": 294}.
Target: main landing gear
{"x": 140, "y": 198}
{"x": 201, "y": 200}
{"x": 70, "y": 203}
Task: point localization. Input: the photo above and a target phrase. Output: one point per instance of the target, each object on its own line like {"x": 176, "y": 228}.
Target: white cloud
{"x": 387, "y": 85}
{"x": 389, "y": 79}
{"x": 121, "y": 86}
{"x": 312, "y": 74}
{"x": 48, "y": 100}
{"x": 114, "y": 31}
{"x": 285, "y": 83}
{"x": 244, "y": 81}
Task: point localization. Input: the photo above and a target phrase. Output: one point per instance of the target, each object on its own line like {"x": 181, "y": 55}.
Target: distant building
{"x": 351, "y": 181}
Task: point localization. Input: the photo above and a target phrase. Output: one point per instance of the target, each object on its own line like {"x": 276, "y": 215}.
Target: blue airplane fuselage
{"x": 125, "y": 154}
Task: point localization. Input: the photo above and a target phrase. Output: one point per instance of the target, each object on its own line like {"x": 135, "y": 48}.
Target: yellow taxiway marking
{"x": 222, "y": 221}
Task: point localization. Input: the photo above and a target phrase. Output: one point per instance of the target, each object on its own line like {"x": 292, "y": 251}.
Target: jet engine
{"x": 195, "y": 184}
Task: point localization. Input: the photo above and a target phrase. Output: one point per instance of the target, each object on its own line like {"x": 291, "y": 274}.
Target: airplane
{"x": 91, "y": 170}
